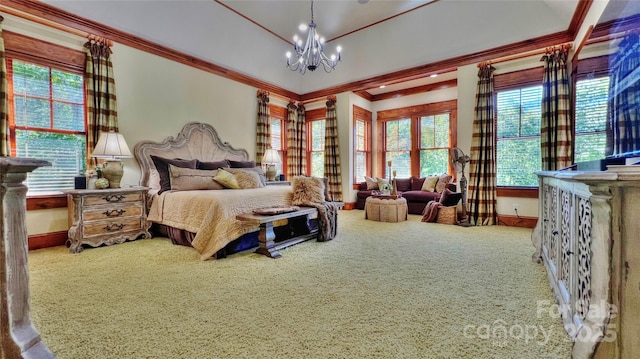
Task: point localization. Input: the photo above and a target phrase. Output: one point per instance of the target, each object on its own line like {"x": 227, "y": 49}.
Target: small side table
{"x": 106, "y": 216}
{"x": 386, "y": 209}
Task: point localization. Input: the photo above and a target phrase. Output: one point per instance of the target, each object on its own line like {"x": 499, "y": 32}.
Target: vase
{"x": 91, "y": 183}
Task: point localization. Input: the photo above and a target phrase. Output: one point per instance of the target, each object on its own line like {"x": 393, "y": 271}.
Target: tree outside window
{"x": 591, "y": 119}
{"x": 317, "y": 147}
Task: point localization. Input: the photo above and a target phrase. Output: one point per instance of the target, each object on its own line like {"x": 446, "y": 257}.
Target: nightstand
{"x": 106, "y": 216}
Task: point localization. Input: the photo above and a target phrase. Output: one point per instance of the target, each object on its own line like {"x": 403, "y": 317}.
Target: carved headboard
{"x": 196, "y": 140}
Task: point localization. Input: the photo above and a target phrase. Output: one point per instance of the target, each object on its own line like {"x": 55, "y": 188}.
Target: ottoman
{"x": 386, "y": 209}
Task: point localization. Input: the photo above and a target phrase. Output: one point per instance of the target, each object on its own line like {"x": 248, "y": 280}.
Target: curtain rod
{"x": 526, "y": 54}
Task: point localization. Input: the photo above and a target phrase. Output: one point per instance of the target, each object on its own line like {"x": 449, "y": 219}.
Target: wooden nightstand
{"x": 106, "y": 216}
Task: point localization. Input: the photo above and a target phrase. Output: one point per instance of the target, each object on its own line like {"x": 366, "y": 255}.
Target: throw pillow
{"x": 403, "y": 184}
{"x": 187, "y": 179}
{"x": 430, "y": 183}
{"x": 372, "y": 183}
{"x": 258, "y": 170}
{"x": 226, "y": 179}
{"x": 212, "y": 165}
{"x": 241, "y": 164}
{"x": 162, "y": 166}
{"x": 450, "y": 198}
{"x": 382, "y": 183}
{"x": 416, "y": 183}
{"x": 247, "y": 178}
{"x": 443, "y": 181}
{"x": 307, "y": 190}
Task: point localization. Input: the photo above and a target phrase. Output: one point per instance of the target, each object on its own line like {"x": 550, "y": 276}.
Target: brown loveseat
{"x": 410, "y": 189}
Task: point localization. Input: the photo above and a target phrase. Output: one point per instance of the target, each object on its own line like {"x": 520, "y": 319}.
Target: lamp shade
{"x": 111, "y": 145}
{"x": 271, "y": 156}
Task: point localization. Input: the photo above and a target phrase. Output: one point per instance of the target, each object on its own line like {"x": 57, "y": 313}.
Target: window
{"x": 316, "y": 149}
{"x": 518, "y": 136}
{"x": 278, "y": 131}
{"x": 591, "y": 119}
{"x": 47, "y": 121}
{"x": 434, "y": 144}
{"x": 361, "y": 144}
{"x": 398, "y": 147}
{"x": 417, "y": 139}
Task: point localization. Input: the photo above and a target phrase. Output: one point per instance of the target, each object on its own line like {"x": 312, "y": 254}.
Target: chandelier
{"x": 311, "y": 56}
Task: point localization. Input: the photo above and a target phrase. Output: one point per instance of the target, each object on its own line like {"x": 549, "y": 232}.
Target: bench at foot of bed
{"x": 266, "y": 236}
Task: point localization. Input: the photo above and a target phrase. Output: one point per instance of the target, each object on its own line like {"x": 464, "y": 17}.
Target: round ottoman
{"x": 386, "y": 209}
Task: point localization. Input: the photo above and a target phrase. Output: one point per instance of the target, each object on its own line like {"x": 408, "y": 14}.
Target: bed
{"x": 205, "y": 218}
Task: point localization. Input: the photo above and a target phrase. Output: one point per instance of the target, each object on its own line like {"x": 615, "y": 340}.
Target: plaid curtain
{"x": 296, "y": 141}
{"x": 332, "y": 152}
{"x": 5, "y": 146}
{"x": 263, "y": 131}
{"x": 482, "y": 167}
{"x": 556, "y": 139}
{"x": 624, "y": 103}
{"x": 102, "y": 113}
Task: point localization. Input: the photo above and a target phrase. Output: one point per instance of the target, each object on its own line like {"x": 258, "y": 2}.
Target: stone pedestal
{"x": 19, "y": 338}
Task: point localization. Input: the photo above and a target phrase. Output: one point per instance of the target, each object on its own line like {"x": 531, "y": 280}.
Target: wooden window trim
{"x": 318, "y": 114}
{"x": 506, "y": 82}
{"x": 28, "y": 49}
{"x": 280, "y": 113}
{"x": 414, "y": 113}
{"x": 360, "y": 114}
{"x": 517, "y": 192}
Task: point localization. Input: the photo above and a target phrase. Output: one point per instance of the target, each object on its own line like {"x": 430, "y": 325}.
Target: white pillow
{"x": 372, "y": 183}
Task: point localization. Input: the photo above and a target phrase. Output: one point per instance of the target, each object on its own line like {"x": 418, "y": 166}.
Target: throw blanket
{"x": 430, "y": 213}
{"x": 328, "y": 218}
{"x": 211, "y": 214}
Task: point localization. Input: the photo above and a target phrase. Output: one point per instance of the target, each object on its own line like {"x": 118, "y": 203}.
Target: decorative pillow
{"x": 187, "y": 179}
{"x": 247, "y": 178}
{"x": 450, "y": 198}
{"x": 443, "y": 181}
{"x": 226, "y": 179}
{"x": 307, "y": 190}
{"x": 403, "y": 184}
{"x": 162, "y": 166}
{"x": 212, "y": 165}
{"x": 258, "y": 170}
{"x": 416, "y": 183}
{"x": 430, "y": 183}
{"x": 382, "y": 182}
{"x": 372, "y": 183}
{"x": 241, "y": 164}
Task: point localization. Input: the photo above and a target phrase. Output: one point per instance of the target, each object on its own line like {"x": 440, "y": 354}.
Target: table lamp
{"x": 271, "y": 158}
{"x": 112, "y": 146}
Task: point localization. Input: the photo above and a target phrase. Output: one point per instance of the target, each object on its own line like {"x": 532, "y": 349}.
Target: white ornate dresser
{"x": 588, "y": 238}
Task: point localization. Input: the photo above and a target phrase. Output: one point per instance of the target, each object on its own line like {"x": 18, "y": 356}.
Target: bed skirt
{"x": 294, "y": 227}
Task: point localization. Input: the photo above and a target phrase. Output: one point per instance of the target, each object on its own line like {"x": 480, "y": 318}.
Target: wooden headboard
{"x": 196, "y": 140}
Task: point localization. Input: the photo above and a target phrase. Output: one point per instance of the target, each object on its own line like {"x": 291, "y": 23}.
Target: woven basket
{"x": 447, "y": 215}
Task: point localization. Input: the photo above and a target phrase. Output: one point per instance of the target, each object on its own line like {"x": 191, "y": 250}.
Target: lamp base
{"x": 113, "y": 171}
{"x": 271, "y": 172}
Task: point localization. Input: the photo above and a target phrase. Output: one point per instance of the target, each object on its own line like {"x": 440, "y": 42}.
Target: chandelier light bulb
{"x": 339, "y": 48}
{"x": 295, "y": 38}
{"x": 303, "y": 27}
{"x": 333, "y": 57}
{"x": 288, "y": 54}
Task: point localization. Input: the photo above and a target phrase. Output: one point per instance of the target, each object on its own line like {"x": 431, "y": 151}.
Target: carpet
{"x": 378, "y": 290}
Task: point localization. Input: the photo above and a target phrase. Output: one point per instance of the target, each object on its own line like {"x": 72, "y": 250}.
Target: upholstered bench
{"x": 386, "y": 209}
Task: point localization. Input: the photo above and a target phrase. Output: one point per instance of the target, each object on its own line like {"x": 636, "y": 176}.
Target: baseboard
{"x": 46, "y": 240}
{"x": 517, "y": 221}
{"x": 349, "y": 206}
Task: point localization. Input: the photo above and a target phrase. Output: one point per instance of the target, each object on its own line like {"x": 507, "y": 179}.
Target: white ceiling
{"x": 247, "y": 35}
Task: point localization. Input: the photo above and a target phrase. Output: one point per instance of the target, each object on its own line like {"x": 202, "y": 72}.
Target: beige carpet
{"x": 379, "y": 290}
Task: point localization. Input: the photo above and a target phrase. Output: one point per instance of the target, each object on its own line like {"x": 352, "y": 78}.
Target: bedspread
{"x": 211, "y": 214}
